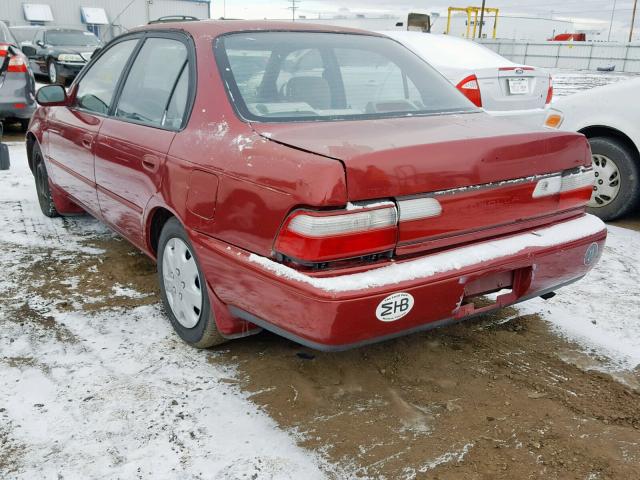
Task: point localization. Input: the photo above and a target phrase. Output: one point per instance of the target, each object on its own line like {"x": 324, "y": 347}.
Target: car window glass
{"x": 299, "y": 65}
{"x": 146, "y": 92}
{"x": 293, "y": 76}
{"x": 178, "y": 104}
{"x": 72, "y": 38}
{"x": 39, "y": 37}
{"x": 370, "y": 78}
{"x": 97, "y": 86}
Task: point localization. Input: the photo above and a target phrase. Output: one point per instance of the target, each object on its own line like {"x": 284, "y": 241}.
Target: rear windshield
{"x": 293, "y": 76}
{"x": 71, "y": 38}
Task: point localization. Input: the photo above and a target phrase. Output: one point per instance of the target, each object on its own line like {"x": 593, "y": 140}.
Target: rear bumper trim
{"x": 324, "y": 347}
{"x": 450, "y": 260}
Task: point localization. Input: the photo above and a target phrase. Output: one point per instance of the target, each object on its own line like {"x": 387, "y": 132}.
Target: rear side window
{"x": 97, "y": 86}
{"x": 159, "y": 70}
{"x": 292, "y": 76}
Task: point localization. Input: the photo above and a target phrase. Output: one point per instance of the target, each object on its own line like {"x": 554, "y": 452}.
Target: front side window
{"x": 98, "y": 85}
{"x": 159, "y": 69}
{"x": 291, "y": 76}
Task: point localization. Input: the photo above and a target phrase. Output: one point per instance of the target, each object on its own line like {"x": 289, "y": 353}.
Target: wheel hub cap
{"x": 182, "y": 283}
{"x": 52, "y": 72}
{"x": 607, "y": 181}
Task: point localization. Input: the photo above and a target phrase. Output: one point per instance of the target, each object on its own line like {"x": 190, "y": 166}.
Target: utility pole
{"x": 293, "y": 8}
{"x": 611, "y": 22}
{"x": 633, "y": 19}
{"x": 481, "y": 19}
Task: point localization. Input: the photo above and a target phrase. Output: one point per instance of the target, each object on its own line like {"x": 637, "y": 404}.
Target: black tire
{"x": 205, "y": 333}
{"x": 627, "y": 163}
{"x": 42, "y": 184}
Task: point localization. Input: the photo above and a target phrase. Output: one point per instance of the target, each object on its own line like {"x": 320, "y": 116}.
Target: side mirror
{"x": 40, "y": 43}
{"x": 29, "y": 50}
{"x": 52, "y": 96}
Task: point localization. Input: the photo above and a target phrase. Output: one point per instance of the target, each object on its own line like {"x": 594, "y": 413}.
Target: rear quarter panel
{"x": 255, "y": 182}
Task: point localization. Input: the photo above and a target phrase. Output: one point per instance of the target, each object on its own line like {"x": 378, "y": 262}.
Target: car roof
{"x": 215, "y": 28}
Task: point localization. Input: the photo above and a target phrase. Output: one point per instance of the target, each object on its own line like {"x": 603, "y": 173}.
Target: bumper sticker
{"x": 394, "y": 307}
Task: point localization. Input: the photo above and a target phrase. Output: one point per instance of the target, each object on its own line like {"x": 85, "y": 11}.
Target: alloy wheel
{"x": 53, "y": 72}
{"x": 607, "y": 181}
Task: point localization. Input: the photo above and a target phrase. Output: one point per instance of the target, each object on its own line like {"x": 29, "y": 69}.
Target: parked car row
{"x": 56, "y": 53}
{"x": 502, "y": 88}
{"x": 325, "y": 184}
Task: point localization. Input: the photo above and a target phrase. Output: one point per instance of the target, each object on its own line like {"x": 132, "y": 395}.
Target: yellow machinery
{"x": 476, "y": 13}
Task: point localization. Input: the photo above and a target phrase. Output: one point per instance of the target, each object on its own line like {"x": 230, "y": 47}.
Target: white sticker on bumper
{"x": 394, "y": 307}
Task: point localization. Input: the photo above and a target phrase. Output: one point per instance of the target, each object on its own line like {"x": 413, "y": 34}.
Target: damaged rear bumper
{"x": 356, "y": 307}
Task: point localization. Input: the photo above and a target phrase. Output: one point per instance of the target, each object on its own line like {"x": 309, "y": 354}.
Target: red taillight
{"x": 17, "y": 64}
{"x": 313, "y": 236}
{"x": 573, "y": 187}
{"x": 550, "y": 91}
{"x": 471, "y": 89}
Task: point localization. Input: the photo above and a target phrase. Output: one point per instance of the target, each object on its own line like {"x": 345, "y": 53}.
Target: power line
{"x": 633, "y": 19}
{"x": 293, "y": 8}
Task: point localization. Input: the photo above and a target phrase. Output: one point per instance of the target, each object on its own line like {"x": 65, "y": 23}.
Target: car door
{"x": 72, "y": 130}
{"x": 37, "y": 61}
{"x": 132, "y": 144}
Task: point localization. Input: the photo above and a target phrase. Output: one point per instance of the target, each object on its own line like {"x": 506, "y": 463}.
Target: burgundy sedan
{"x": 325, "y": 184}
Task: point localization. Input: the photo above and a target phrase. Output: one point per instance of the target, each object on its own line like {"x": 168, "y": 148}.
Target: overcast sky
{"x": 576, "y": 10}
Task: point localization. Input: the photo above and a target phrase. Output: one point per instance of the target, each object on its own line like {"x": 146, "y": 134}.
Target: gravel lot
{"x": 94, "y": 384}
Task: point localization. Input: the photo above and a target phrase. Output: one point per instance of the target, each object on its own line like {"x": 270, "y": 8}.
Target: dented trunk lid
{"x": 483, "y": 170}
{"x": 407, "y": 156}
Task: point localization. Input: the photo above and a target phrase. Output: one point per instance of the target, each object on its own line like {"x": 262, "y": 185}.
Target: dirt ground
{"x": 499, "y": 397}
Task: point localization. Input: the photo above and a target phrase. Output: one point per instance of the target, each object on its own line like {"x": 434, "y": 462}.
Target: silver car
{"x": 17, "y": 85}
{"x": 489, "y": 80}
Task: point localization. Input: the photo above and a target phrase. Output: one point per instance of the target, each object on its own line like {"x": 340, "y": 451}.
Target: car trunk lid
{"x": 513, "y": 88}
{"x": 482, "y": 171}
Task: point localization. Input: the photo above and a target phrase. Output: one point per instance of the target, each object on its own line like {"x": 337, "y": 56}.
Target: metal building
{"x": 106, "y": 18}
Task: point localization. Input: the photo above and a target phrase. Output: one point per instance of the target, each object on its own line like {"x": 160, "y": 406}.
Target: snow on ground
{"x": 127, "y": 399}
{"x": 602, "y": 311}
{"x": 114, "y": 393}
